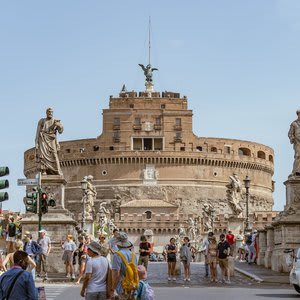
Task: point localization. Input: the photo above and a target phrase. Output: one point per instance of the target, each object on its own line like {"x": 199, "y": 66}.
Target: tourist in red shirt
{"x": 230, "y": 240}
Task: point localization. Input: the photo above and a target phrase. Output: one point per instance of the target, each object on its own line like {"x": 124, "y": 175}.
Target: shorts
{"x": 171, "y": 259}
{"x": 223, "y": 263}
{"x": 10, "y": 238}
{"x": 67, "y": 256}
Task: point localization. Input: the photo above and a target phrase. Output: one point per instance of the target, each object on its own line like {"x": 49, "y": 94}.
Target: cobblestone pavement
{"x": 158, "y": 276}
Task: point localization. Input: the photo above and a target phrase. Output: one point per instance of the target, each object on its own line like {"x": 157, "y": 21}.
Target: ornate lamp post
{"x": 247, "y": 186}
{"x": 84, "y": 188}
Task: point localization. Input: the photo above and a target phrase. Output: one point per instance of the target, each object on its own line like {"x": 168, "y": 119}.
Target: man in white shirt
{"x": 45, "y": 243}
{"x": 95, "y": 280}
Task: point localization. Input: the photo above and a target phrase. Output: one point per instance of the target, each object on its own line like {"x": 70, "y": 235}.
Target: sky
{"x": 238, "y": 63}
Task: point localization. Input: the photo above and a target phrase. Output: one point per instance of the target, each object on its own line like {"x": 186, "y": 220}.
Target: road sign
{"x": 30, "y": 181}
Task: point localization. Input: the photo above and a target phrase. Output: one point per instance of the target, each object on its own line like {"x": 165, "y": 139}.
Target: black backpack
{"x": 12, "y": 229}
{"x": 249, "y": 240}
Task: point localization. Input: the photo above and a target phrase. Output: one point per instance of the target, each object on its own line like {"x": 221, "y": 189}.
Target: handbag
{"x": 12, "y": 285}
{"x": 109, "y": 287}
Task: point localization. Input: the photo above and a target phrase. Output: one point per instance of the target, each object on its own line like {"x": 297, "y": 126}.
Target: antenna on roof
{"x": 149, "y": 40}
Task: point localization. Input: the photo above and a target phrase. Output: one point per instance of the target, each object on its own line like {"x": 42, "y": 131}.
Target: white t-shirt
{"x": 45, "y": 243}
{"x": 97, "y": 266}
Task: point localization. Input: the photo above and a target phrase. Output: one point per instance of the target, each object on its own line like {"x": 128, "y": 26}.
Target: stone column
{"x": 269, "y": 245}
{"x": 262, "y": 246}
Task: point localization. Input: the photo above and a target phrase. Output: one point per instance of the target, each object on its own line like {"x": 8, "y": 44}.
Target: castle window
{"x": 244, "y": 152}
{"x": 116, "y": 137}
{"x": 116, "y": 121}
{"x": 158, "y": 144}
{"x": 227, "y": 149}
{"x": 178, "y": 122}
{"x": 131, "y": 105}
{"x": 271, "y": 158}
{"x": 213, "y": 149}
{"x": 261, "y": 154}
{"x": 96, "y": 148}
{"x": 158, "y": 121}
{"x": 148, "y": 144}
{"x": 111, "y": 148}
{"x": 137, "y": 144}
{"x": 68, "y": 150}
{"x": 137, "y": 121}
{"x": 199, "y": 149}
{"x": 182, "y": 148}
{"x": 178, "y": 136}
{"x": 163, "y": 106}
{"x": 148, "y": 214}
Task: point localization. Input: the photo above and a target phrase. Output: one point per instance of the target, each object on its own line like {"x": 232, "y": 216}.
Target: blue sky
{"x": 238, "y": 62}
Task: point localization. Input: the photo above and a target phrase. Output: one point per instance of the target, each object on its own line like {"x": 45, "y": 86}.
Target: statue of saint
{"x": 234, "y": 196}
{"x": 90, "y": 195}
{"x": 103, "y": 216}
{"x": 294, "y": 136}
{"x": 207, "y": 216}
{"x": 192, "y": 229}
{"x": 148, "y": 71}
{"x": 46, "y": 144}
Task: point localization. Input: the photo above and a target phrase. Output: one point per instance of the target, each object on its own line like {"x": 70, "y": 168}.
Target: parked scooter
{"x": 295, "y": 272}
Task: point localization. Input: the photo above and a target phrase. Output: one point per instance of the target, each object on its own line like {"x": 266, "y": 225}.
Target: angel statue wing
{"x": 143, "y": 67}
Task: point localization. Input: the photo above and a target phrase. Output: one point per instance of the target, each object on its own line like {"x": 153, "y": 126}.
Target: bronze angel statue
{"x": 148, "y": 71}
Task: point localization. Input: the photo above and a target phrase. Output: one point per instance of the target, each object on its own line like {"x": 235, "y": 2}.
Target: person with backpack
{"x": 11, "y": 230}
{"x": 144, "y": 250}
{"x": 125, "y": 279}
{"x": 17, "y": 283}
{"x": 145, "y": 291}
{"x": 32, "y": 248}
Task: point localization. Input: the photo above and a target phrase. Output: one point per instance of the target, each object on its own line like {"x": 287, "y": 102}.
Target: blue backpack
{"x": 146, "y": 291}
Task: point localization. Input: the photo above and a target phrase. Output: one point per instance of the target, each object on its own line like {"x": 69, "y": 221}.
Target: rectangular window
{"x": 158, "y": 121}
{"x": 227, "y": 149}
{"x": 178, "y": 122}
{"x": 158, "y": 144}
{"x": 137, "y": 121}
{"x": 178, "y": 135}
{"x": 137, "y": 144}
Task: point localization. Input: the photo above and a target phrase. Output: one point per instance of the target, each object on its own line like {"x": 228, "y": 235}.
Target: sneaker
{"x": 174, "y": 279}
{"x": 228, "y": 281}
{"x": 169, "y": 278}
{"x": 189, "y": 279}
{"x": 68, "y": 275}
{"x": 73, "y": 276}
{"x": 185, "y": 279}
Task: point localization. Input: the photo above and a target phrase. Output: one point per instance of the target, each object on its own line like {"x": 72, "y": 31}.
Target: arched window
{"x": 261, "y": 154}
{"x": 244, "y": 151}
{"x": 148, "y": 214}
{"x": 271, "y": 158}
{"x": 213, "y": 149}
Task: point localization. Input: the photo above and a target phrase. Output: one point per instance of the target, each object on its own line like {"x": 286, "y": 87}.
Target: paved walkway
{"x": 261, "y": 274}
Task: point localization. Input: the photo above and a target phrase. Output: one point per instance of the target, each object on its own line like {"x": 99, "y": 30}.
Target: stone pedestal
{"x": 287, "y": 226}
{"x": 262, "y": 247}
{"x": 58, "y": 222}
{"x": 55, "y": 184}
{"x": 270, "y": 246}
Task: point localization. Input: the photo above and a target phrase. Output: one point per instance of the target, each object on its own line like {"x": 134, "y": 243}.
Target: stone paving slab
{"x": 262, "y": 274}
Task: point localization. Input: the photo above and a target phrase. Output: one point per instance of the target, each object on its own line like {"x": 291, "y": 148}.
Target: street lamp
{"x": 84, "y": 188}
{"x": 247, "y": 186}
{"x": 212, "y": 214}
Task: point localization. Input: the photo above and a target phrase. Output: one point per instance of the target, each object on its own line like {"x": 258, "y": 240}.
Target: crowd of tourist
{"x": 110, "y": 269}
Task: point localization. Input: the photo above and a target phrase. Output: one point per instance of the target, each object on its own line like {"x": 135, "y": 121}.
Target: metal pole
{"x": 247, "y": 209}
{"x": 83, "y": 213}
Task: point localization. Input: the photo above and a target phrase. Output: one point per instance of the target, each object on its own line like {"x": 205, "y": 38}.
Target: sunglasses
{"x": 102, "y": 237}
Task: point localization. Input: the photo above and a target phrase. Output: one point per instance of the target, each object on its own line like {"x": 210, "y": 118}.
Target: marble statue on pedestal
{"x": 294, "y": 136}
{"x": 89, "y": 196}
{"x": 46, "y": 144}
{"x": 234, "y": 194}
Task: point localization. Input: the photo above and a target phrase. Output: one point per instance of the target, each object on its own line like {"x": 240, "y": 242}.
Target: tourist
{"x": 205, "y": 249}
{"x": 17, "y": 283}
{"x": 32, "y": 248}
{"x": 186, "y": 258}
{"x": 11, "y": 230}
{"x": 96, "y": 273}
{"x": 252, "y": 248}
{"x": 230, "y": 239}
{"x": 222, "y": 254}
{"x": 212, "y": 258}
{"x": 112, "y": 242}
{"x": 124, "y": 255}
{"x": 69, "y": 248}
{"x": 239, "y": 246}
{"x": 104, "y": 245}
{"x": 45, "y": 243}
{"x": 144, "y": 250}
{"x": 144, "y": 291}
{"x": 9, "y": 258}
{"x": 171, "y": 250}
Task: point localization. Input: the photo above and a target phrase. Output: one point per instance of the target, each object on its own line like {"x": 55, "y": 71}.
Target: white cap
{"x": 43, "y": 231}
